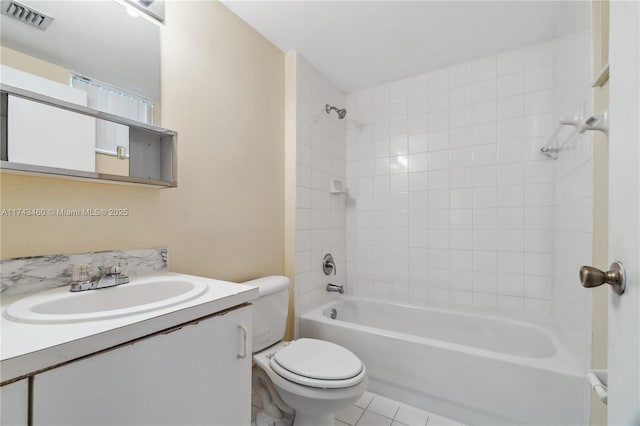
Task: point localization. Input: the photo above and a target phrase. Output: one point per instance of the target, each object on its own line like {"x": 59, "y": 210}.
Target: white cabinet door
{"x": 14, "y": 404}
{"x": 190, "y": 375}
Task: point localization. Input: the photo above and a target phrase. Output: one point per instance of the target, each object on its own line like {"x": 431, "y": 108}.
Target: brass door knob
{"x": 594, "y": 277}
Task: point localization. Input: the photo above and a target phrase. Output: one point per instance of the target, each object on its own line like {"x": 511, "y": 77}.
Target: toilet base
{"x": 314, "y": 419}
{"x": 263, "y": 419}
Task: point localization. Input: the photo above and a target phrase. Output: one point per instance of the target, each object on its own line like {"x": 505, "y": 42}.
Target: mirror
{"x": 99, "y": 40}
{"x": 102, "y": 54}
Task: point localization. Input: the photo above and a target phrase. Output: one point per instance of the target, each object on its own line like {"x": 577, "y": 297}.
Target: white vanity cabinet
{"x": 198, "y": 373}
{"x": 14, "y": 404}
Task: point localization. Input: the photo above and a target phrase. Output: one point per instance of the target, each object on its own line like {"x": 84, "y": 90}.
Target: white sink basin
{"x": 140, "y": 295}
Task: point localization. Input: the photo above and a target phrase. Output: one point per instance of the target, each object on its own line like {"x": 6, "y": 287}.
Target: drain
{"x": 334, "y": 314}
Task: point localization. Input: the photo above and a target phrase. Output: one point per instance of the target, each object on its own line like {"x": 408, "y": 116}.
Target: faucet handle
{"x": 81, "y": 273}
{"x": 328, "y": 264}
{"x": 119, "y": 267}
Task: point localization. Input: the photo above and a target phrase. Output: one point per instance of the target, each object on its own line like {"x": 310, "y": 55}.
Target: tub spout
{"x": 337, "y": 288}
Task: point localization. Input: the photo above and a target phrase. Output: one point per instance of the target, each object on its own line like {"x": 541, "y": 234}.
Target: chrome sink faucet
{"x": 106, "y": 277}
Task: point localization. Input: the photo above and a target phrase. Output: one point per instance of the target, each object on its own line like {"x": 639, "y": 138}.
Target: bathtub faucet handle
{"x": 328, "y": 264}
{"x": 337, "y": 288}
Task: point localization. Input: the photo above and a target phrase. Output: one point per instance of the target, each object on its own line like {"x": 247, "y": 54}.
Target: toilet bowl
{"x": 315, "y": 388}
{"x": 314, "y": 377}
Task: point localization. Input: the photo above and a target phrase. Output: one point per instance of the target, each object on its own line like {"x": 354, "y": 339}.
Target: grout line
{"x": 367, "y": 407}
{"x": 363, "y": 411}
{"x": 393, "y": 419}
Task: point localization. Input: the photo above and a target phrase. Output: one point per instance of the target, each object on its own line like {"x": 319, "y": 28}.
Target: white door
{"x": 624, "y": 212}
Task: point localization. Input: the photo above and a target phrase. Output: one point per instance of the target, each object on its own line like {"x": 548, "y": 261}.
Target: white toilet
{"x": 314, "y": 377}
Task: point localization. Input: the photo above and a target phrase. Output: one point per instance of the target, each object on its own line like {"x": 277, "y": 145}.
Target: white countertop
{"x": 27, "y": 348}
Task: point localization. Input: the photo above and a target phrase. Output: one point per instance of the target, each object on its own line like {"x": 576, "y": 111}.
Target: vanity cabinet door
{"x": 191, "y": 375}
{"x": 14, "y": 404}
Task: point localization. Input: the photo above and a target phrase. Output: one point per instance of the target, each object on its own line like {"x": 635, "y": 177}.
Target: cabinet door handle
{"x": 245, "y": 332}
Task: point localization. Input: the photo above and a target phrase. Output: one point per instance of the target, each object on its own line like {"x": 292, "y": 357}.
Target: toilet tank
{"x": 269, "y": 310}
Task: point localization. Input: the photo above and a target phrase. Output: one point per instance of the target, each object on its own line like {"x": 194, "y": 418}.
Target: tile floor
{"x": 376, "y": 410}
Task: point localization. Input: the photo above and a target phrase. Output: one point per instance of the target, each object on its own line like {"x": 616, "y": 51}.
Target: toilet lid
{"x": 318, "y": 359}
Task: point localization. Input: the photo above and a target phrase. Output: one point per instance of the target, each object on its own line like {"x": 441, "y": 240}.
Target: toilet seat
{"x": 319, "y": 364}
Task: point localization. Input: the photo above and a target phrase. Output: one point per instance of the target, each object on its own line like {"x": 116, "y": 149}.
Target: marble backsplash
{"x": 28, "y": 274}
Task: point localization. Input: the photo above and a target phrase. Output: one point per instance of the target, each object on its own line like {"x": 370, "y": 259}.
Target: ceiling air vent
{"x": 26, "y": 14}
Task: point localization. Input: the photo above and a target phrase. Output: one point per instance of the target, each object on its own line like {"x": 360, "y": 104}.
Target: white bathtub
{"x": 475, "y": 368}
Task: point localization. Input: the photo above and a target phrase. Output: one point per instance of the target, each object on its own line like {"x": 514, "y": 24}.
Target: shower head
{"x": 342, "y": 113}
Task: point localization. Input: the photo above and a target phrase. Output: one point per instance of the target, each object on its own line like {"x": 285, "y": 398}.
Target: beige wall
{"x": 223, "y": 91}
{"x": 26, "y": 63}
{"x": 112, "y": 165}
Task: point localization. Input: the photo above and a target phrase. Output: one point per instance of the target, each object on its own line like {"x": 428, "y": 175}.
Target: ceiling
{"x": 360, "y": 44}
{"x": 96, "y": 38}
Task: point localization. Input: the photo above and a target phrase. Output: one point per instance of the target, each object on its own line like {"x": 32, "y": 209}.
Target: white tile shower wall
{"x": 320, "y": 216}
{"x": 452, "y": 203}
{"x": 573, "y": 221}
